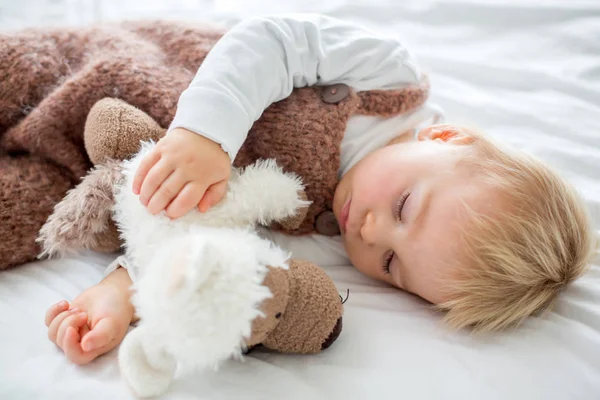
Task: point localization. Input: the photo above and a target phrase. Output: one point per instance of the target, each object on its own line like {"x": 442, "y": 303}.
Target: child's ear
{"x": 446, "y": 133}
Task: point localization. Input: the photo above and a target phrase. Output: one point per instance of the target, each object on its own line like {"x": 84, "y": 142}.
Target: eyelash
{"x": 387, "y": 262}
{"x": 390, "y": 256}
{"x": 400, "y": 205}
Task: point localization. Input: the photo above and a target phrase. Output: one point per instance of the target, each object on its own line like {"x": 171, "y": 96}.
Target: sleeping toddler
{"x": 488, "y": 234}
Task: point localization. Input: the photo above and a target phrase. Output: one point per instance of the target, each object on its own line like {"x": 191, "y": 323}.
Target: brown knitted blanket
{"x": 50, "y": 79}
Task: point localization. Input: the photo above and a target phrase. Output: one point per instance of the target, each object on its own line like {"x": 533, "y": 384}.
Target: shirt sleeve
{"x": 261, "y": 60}
{"x": 122, "y": 262}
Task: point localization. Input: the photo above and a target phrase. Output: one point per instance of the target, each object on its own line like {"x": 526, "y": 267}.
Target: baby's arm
{"x": 256, "y": 63}
{"x": 95, "y": 322}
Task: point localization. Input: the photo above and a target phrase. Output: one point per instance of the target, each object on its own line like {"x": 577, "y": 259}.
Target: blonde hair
{"x": 520, "y": 258}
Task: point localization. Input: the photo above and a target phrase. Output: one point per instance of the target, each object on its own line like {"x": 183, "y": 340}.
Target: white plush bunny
{"x": 198, "y": 279}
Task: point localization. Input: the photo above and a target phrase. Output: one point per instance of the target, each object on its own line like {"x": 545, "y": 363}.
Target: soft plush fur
{"x": 84, "y": 217}
{"x": 260, "y": 193}
{"x": 197, "y": 299}
{"x": 199, "y": 278}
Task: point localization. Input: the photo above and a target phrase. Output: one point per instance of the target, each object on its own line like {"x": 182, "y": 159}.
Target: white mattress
{"x": 529, "y": 74}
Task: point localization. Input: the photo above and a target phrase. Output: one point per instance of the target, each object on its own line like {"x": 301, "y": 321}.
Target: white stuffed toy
{"x": 198, "y": 279}
{"x": 206, "y": 286}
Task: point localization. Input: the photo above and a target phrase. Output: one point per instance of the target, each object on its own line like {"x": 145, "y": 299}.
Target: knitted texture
{"x": 29, "y": 189}
{"x": 51, "y": 78}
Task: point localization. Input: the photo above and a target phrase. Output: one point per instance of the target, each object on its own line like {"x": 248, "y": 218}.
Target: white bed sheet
{"x": 529, "y": 74}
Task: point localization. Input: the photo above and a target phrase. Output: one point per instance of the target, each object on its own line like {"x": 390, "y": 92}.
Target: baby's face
{"x": 401, "y": 210}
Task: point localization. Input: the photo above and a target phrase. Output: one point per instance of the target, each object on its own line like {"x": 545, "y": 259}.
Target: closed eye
{"x": 387, "y": 261}
{"x": 400, "y": 205}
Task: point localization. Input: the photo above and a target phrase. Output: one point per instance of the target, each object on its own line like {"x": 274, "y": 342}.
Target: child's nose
{"x": 368, "y": 230}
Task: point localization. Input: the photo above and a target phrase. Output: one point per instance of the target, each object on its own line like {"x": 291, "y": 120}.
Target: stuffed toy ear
{"x": 280, "y": 195}
{"x": 114, "y": 130}
{"x": 83, "y": 219}
{"x": 293, "y": 222}
{"x": 147, "y": 374}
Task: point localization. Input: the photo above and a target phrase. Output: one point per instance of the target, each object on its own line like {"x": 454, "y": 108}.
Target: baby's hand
{"x": 184, "y": 170}
{"x": 92, "y": 325}
{"x": 66, "y": 327}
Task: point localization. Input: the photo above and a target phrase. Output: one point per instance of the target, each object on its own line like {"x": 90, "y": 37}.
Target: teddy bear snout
{"x": 337, "y": 329}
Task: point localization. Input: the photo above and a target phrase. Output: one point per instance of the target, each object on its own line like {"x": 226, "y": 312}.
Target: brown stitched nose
{"x": 337, "y": 329}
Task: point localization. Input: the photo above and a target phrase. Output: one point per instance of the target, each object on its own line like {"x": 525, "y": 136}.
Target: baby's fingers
{"x": 57, "y": 322}
{"x": 147, "y": 163}
{"x": 75, "y": 320}
{"x": 84, "y": 330}
{"x": 154, "y": 179}
{"x": 186, "y": 200}
{"x": 54, "y": 311}
{"x": 213, "y": 195}
{"x": 72, "y": 348}
{"x": 103, "y": 333}
{"x": 167, "y": 191}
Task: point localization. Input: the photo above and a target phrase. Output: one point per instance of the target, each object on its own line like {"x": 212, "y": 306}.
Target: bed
{"x": 529, "y": 74}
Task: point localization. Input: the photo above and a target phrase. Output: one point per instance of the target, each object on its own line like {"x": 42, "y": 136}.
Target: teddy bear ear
{"x": 114, "y": 130}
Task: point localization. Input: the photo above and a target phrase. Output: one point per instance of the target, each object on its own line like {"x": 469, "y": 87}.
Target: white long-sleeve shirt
{"x": 261, "y": 60}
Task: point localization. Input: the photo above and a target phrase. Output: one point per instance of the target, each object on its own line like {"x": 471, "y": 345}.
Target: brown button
{"x": 333, "y": 94}
{"x": 326, "y": 224}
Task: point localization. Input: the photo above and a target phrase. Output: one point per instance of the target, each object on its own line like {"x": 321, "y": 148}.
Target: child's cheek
{"x": 372, "y": 188}
{"x": 376, "y": 191}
